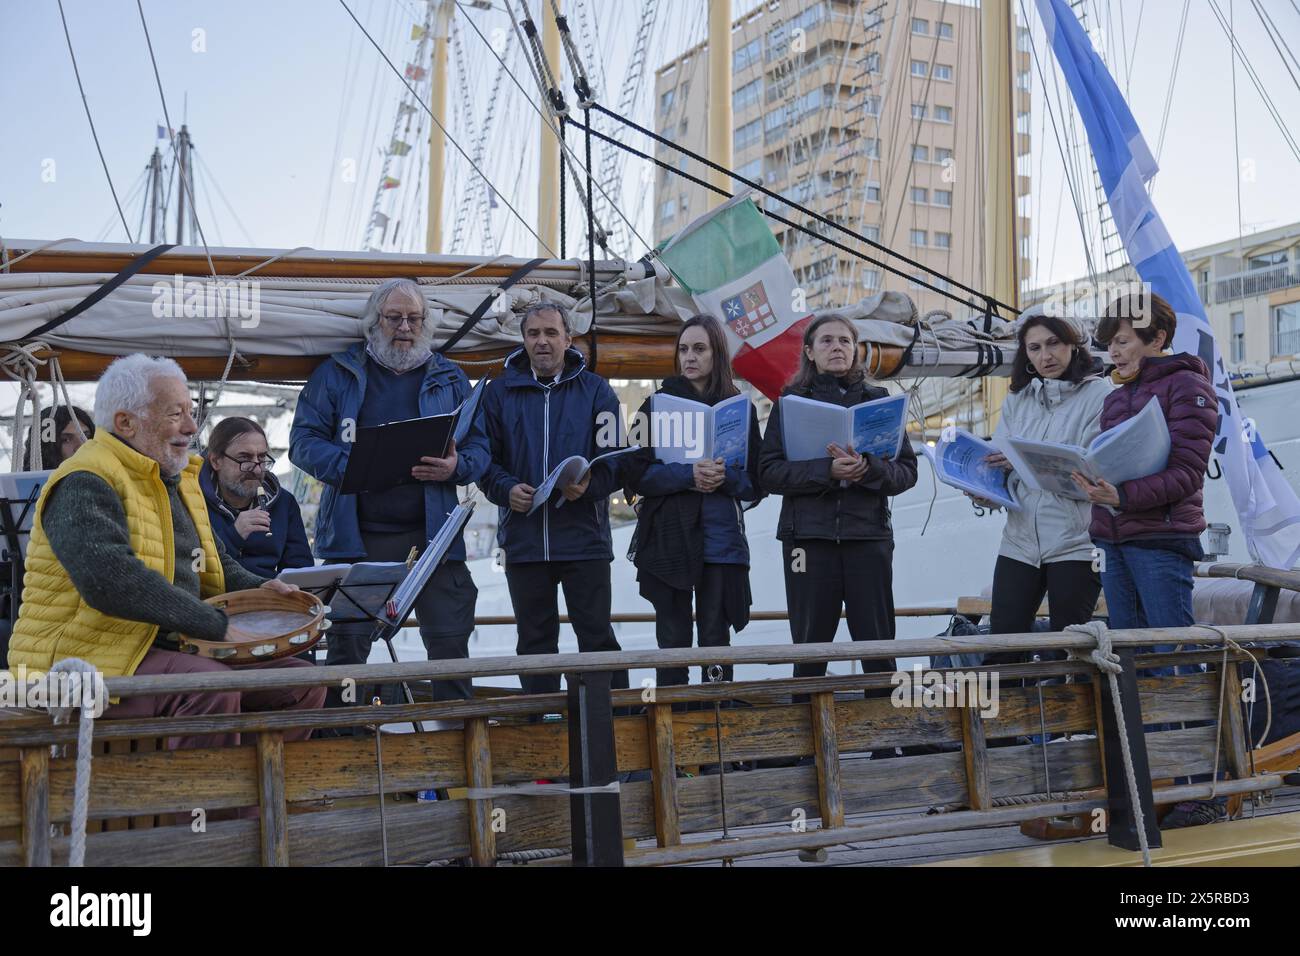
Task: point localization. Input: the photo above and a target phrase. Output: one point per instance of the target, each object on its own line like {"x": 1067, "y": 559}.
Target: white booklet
{"x": 808, "y": 426}
{"x": 958, "y": 460}
{"x": 571, "y": 470}
{"x": 1132, "y": 449}
{"x": 686, "y": 431}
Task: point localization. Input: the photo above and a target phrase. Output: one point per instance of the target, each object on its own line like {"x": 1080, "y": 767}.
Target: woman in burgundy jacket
{"x": 1148, "y": 530}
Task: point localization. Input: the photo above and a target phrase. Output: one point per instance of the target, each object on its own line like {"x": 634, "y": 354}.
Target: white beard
{"x": 398, "y": 359}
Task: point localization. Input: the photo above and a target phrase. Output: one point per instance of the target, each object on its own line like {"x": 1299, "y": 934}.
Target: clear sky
{"x": 279, "y": 94}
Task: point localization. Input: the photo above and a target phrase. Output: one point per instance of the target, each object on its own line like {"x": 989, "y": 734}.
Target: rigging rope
{"x": 186, "y": 175}
{"x": 1254, "y": 78}
{"x": 89, "y": 119}
{"x": 581, "y": 85}
{"x": 572, "y": 163}
{"x": 443, "y": 129}
{"x": 793, "y": 205}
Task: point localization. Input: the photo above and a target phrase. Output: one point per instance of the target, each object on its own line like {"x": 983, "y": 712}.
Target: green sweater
{"x": 86, "y": 526}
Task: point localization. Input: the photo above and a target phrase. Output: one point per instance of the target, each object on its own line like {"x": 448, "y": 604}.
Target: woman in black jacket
{"x": 690, "y": 533}
{"x": 835, "y": 531}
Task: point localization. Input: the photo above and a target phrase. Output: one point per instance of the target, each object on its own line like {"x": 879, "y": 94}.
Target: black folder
{"x": 383, "y": 455}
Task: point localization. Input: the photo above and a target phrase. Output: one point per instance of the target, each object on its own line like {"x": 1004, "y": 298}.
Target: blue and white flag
{"x": 1265, "y": 501}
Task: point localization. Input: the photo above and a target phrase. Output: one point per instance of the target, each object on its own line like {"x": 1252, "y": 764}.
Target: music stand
{"x": 388, "y": 610}
{"x": 18, "y": 493}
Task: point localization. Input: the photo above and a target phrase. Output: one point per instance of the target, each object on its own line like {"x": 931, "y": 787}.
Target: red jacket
{"x": 1168, "y": 502}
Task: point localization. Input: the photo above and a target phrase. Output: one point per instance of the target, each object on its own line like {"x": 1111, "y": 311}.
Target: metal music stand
{"x": 390, "y": 614}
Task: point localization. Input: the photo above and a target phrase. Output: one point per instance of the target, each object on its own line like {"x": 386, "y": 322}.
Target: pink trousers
{"x": 218, "y": 702}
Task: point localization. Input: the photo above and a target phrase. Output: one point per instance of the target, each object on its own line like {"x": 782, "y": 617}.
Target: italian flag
{"x": 732, "y": 266}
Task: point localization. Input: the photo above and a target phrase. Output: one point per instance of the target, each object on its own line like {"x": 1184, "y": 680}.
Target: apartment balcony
{"x": 1253, "y": 282}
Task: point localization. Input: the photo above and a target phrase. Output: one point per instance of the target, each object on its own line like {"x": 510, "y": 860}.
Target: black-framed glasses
{"x": 246, "y": 465}
{"x": 395, "y": 321}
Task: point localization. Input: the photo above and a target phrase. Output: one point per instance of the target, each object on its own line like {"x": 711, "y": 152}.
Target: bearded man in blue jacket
{"x": 544, "y": 408}
{"x": 392, "y": 376}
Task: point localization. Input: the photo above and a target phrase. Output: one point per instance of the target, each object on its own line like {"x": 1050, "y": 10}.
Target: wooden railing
{"x": 304, "y": 792}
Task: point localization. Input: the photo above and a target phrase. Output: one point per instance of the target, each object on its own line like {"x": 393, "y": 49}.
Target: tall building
{"x": 865, "y": 111}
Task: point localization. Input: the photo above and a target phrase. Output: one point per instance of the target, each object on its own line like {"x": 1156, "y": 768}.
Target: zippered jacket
{"x": 530, "y": 429}
{"x": 716, "y": 520}
{"x": 320, "y": 442}
{"x": 814, "y": 504}
{"x": 1169, "y": 502}
{"x": 263, "y": 554}
{"x": 1049, "y": 527}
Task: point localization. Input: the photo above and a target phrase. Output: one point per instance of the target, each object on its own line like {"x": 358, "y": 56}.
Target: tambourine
{"x": 264, "y": 626}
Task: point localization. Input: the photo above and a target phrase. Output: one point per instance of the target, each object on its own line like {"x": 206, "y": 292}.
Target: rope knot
{"x": 1103, "y": 655}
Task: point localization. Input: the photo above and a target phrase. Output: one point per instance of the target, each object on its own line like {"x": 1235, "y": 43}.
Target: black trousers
{"x": 587, "y": 595}
{"x": 445, "y": 611}
{"x": 1018, "y": 588}
{"x": 674, "y": 627}
{"x": 823, "y": 576}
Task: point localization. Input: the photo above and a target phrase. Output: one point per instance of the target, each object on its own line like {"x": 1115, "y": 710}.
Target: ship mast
{"x": 720, "y": 131}
{"x": 437, "y": 140}
{"x": 548, "y": 163}
{"x": 1001, "y": 253}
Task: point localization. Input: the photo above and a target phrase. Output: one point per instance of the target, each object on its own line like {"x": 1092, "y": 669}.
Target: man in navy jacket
{"x": 258, "y": 521}
{"x": 544, "y": 408}
{"x": 393, "y": 376}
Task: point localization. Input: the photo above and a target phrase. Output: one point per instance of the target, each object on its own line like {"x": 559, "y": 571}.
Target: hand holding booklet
{"x": 958, "y": 460}
{"x": 808, "y": 426}
{"x": 570, "y": 471}
{"x": 1132, "y": 449}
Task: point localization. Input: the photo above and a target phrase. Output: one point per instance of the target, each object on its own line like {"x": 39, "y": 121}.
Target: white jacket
{"x": 1049, "y": 527}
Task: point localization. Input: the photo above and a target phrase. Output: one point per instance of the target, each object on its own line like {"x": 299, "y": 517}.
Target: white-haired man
{"x": 122, "y": 554}
{"x": 393, "y": 375}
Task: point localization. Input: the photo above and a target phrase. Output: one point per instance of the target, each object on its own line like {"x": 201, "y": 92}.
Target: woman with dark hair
{"x": 690, "y": 533}
{"x": 258, "y": 521}
{"x": 59, "y": 435}
{"x": 1045, "y": 546}
{"x": 835, "y": 528}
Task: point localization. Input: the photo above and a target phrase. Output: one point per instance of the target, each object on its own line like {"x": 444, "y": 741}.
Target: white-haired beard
{"x": 400, "y": 360}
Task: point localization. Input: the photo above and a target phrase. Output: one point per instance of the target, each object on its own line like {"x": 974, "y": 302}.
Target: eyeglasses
{"x": 246, "y": 465}
{"x": 395, "y": 321}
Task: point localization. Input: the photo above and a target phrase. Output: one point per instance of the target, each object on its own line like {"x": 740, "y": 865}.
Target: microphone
{"x": 263, "y": 499}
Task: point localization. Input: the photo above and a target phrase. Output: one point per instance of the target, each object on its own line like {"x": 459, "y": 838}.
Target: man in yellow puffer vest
{"x": 122, "y": 555}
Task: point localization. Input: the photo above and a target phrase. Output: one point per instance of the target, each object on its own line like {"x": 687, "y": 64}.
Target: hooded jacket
{"x": 530, "y": 429}
{"x": 1050, "y": 527}
{"x": 814, "y": 504}
{"x": 678, "y": 528}
{"x": 264, "y": 554}
{"x": 1168, "y": 503}
{"x": 329, "y": 407}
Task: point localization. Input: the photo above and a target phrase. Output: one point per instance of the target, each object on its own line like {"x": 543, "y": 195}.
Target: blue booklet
{"x": 683, "y": 431}
{"x": 958, "y": 460}
{"x": 808, "y": 426}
